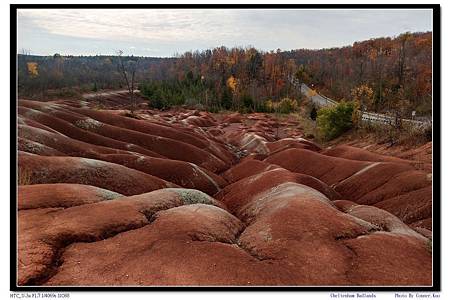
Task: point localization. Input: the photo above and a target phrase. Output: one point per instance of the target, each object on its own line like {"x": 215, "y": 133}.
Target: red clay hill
{"x": 186, "y": 197}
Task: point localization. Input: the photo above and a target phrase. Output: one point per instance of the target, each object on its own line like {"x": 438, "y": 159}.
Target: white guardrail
{"x": 322, "y": 101}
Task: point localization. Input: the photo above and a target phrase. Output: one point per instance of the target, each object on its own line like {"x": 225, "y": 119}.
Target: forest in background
{"x": 380, "y": 74}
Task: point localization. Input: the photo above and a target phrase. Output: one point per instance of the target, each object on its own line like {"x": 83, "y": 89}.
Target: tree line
{"x": 382, "y": 74}
{"x": 38, "y": 75}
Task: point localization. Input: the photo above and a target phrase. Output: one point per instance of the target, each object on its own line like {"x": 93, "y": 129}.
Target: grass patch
{"x": 430, "y": 245}
{"x": 190, "y": 196}
{"x": 334, "y": 121}
{"x": 24, "y": 177}
{"x": 405, "y": 135}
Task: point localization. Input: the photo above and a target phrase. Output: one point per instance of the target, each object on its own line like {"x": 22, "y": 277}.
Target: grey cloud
{"x": 171, "y": 31}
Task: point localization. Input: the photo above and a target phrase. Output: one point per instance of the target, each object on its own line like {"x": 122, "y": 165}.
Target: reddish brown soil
{"x": 326, "y": 168}
{"x": 185, "y": 197}
{"x": 420, "y": 157}
{"x": 61, "y": 195}
{"x": 64, "y": 169}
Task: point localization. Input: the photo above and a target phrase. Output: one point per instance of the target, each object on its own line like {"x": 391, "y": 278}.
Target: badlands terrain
{"x": 185, "y": 197}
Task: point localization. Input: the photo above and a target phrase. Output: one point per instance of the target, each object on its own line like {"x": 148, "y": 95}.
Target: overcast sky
{"x": 164, "y": 32}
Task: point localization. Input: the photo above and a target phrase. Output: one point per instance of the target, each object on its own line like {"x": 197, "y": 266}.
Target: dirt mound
{"x": 179, "y": 172}
{"x": 397, "y": 188}
{"x": 200, "y": 121}
{"x": 166, "y": 147}
{"x": 76, "y": 133}
{"x": 69, "y": 146}
{"x": 114, "y": 177}
{"x": 386, "y": 186}
{"x": 374, "y": 176}
{"x": 109, "y": 99}
{"x": 24, "y": 121}
{"x": 330, "y": 170}
{"x": 236, "y": 194}
{"x": 232, "y": 118}
{"x": 160, "y": 198}
{"x": 410, "y": 207}
{"x": 384, "y": 247}
{"x": 187, "y": 175}
{"x": 249, "y": 142}
{"x": 247, "y": 168}
{"x": 421, "y": 157}
{"x": 158, "y": 129}
{"x": 61, "y": 195}
{"x": 365, "y": 182}
{"x": 354, "y": 153}
{"x": 287, "y": 143}
{"x": 419, "y": 161}
{"x": 43, "y": 233}
{"x": 26, "y": 145}
{"x": 178, "y": 237}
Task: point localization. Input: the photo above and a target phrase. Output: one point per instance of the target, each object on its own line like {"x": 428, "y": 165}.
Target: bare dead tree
{"x": 128, "y": 72}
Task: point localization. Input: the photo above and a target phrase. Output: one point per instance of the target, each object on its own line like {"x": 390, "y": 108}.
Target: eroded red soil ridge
{"x": 190, "y": 198}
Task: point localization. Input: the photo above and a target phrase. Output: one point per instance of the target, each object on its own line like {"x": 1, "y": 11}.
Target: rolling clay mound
{"x": 185, "y": 197}
{"x": 36, "y": 148}
{"x": 61, "y": 195}
{"x": 43, "y": 233}
{"x": 77, "y": 133}
{"x": 372, "y": 177}
{"x": 354, "y": 153}
{"x": 233, "y": 118}
{"x": 294, "y": 223}
{"x": 419, "y": 157}
{"x": 410, "y": 207}
{"x": 386, "y": 187}
{"x": 200, "y": 121}
{"x": 179, "y": 133}
{"x": 364, "y": 182}
{"x": 330, "y": 170}
{"x": 236, "y": 194}
{"x": 111, "y": 99}
{"x": 182, "y": 173}
{"x": 25, "y": 121}
{"x": 68, "y": 146}
{"x": 179, "y": 237}
{"x": 187, "y": 175}
{"x": 374, "y": 244}
{"x": 249, "y": 142}
{"x": 405, "y": 193}
{"x": 164, "y": 146}
{"x": 420, "y": 162}
{"x": 287, "y": 143}
{"x": 63, "y": 169}
{"x": 423, "y": 153}
{"x": 247, "y": 168}
{"x": 425, "y": 223}
{"x": 153, "y": 128}
{"x": 383, "y": 219}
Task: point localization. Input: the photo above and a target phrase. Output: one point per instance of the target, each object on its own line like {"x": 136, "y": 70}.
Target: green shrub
{"x": 270, "y": 106}
{"x": 287, "y": 105}
{"x": 227, "y": 99}
{"x": 247, "y": 102}
{"x": 333, "y": 121}
{"x": 213, "y": 109}
{"x": 156, "y": 94}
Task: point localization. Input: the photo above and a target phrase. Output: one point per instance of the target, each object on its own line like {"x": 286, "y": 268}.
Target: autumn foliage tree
{"x": 393, "y": 68}
{"x": 32, "y": 68}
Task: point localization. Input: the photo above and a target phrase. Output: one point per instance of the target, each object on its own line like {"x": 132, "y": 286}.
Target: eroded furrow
{"x": 191, "y": 198}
